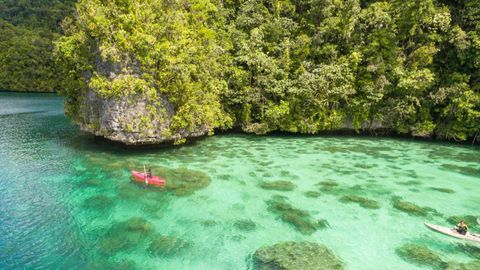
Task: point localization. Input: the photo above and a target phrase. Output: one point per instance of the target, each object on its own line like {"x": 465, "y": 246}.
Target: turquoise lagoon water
{"x": 65, "y": 196}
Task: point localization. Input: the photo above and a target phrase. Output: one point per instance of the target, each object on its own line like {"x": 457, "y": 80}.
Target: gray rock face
{"x": 121, "y": 119}
{"x": 132, "y": 119}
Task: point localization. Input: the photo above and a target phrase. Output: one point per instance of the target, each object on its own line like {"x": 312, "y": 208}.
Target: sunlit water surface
{"x": 62, "y": 193}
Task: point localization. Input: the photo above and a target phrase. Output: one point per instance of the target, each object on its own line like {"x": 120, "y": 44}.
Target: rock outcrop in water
{"x": 296, "y": 256}
{"x": 131, "y": 118}
{"x": 187, "y": 68}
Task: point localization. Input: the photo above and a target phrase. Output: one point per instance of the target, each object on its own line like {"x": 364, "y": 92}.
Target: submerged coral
{"x": 245, "y": 225}
{"x": 410, "y": 183}
{"x": 444, "y": 190}
{"x": 411, "y": 208}
{"x": 465, "y": 170}
{"x": 296, "y": 256}
{"x": 469, "y": 219}
{"x": 322, "y": 224}
{"x": 100, "y": 202}
{"x": 278, "y": 185}
{"x": 328, "y": 185}
{"x": 130, "y": 191}
{"x": 125, "y": 235}
{"x": 420, "y": 255}
{"x": 90, "y": 182}
{"x": 312, "y": 194}
{"x": 102, "y": 264}
{"x": 208, "y": 223}
{"x": 363, "y": 202}
{"x": 167, "y": 245}
{"x": 300, "y": 219}
{"x": 470, "y": 250}
{"x": 225, "y": 177}
{"x": 182, "y": 181}
{"x": 462, "y": 266}
{"x": 423, "y": 256}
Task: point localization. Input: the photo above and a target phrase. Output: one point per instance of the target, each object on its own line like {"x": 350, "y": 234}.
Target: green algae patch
{"x": 166, "y": 246}
{"x": 411, "y": 208}
{"x": 278, "y": 185}
{"x": 322, "y": 224}
{"x": 465, "y": 170}
{"x": 295, "y": 256}
{"x": 299, "y": 219}
{"x": 443, "y": 190}
{"x": 99, "y": 202}
{"x": 312, "y": 194}
{"x": 102, "y": 264}
{"x": 183, "y": 181}
{"x": 362, "y": 201}
{"x": 267, "y": 175}
{"x": 410, "y": 183}
{"x": 469, "y": 219}
{"x": 238, "y": 238}
{"x": 462, "y": 266}
{"x": 470, "y": 250}
{"x": 423, "y": 256}
{"x": 130, "y": 190}
{"x": 225, "y": 177}
{"x": 245, "y": 225}
{"x": 328, "y": 185}
{"x": 125, "y": 235}
{"x": 90, "y": 182}
{"x": 208, "y": 223}
{"x": 420, "y": 255}
{"x": 154, "y": 207}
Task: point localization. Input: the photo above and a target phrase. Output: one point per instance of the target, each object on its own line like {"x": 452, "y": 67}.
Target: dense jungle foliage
{"x": 291, "y": 65}
{"x": 27, "y": 31}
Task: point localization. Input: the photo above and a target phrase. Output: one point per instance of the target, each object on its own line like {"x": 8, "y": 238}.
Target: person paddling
{"x": 149, "y": 172}
{"x": 462, "y": 227}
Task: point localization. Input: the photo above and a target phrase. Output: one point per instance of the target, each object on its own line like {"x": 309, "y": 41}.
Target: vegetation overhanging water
{"x": 66, "y": 201}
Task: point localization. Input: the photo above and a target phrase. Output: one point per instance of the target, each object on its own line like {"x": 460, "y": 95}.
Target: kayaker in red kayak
{"x": 149, "y": 172}
{"x": 148, "y": 178}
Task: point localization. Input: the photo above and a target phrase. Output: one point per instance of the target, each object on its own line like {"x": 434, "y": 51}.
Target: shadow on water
{"x": 84, "y": 141}
{"x": 20, "y": 114}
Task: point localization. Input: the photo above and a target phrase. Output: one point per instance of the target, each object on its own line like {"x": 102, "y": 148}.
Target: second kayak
{"x": 452, "y": 232}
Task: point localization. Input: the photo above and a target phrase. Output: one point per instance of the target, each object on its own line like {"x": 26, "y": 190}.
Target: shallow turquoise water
{"x": 62, "y": 192}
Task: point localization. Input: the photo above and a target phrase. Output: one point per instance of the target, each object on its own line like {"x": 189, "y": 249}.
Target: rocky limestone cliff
{"x": 123, "y": 120}
{"x": 132, "y": 119}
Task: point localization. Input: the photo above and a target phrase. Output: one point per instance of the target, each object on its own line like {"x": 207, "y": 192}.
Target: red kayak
{"x": 153, "y": 181}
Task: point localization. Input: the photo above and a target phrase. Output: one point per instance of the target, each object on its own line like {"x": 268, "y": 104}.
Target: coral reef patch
{"x": 362, "y": 201}
{"x": 296, "y": 256}
{"x": 278, "y": 185}
{"x": 299, "y": 219}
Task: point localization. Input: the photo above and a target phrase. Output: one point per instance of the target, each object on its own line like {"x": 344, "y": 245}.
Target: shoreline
{"x": 286, "y": 135}
{"x": 343, "y": 132}
{"x": 28, "y": 92}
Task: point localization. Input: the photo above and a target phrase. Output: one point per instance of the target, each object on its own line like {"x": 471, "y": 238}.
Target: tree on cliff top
{"x": 298, "y": 66}
{"x": 161, "y": 49}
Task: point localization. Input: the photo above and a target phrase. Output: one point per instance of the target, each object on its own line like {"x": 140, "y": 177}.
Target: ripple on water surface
{"x": 66, "y": 201}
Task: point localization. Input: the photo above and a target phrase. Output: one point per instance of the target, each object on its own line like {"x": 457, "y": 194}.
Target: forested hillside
{"x": 299, "y": 66}
{"x": 27, "y": 31}
{"x": 408, "y": 66}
